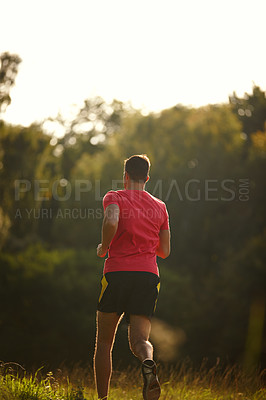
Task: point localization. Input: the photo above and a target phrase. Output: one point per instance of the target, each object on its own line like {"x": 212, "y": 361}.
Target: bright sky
{"x": 154, "y": 53}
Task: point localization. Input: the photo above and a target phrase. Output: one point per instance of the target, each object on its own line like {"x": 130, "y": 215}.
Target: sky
{"x": 155, "y": 54}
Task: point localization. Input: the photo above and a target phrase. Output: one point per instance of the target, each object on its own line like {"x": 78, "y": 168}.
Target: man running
{"x": 135, "y": 230}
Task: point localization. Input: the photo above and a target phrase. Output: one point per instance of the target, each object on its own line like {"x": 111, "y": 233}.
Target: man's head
{"x": 137, "y": 168}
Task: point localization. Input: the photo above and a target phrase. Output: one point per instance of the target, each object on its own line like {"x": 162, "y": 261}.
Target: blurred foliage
{"x": 49, "y": 299}
{"x": 51, "y": 213}
{"x": 251, "y": 111}
{"x": 26, "y": 162}
{"x": 8, "y": 72}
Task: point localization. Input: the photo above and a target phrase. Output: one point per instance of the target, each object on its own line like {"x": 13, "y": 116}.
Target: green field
{"x": 182, "y": 383}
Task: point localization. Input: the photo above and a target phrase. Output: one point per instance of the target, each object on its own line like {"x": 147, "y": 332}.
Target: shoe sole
{"x": 152, "y": 390}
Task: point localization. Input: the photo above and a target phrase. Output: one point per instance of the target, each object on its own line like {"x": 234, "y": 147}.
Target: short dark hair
{"x": 137, "y": 167}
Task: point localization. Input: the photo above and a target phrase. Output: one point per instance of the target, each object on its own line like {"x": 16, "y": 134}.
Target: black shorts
{"x": 129, "y": 292}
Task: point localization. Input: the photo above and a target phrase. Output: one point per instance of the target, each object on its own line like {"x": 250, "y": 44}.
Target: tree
{"x": 8, "y": 71}
{"x": 250, "y": 110}
{"x": 87, "y": 131}
{"x": 26, "y": 158}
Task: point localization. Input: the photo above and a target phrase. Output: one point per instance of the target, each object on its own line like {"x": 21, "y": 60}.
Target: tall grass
{"x": 179, "y": 383}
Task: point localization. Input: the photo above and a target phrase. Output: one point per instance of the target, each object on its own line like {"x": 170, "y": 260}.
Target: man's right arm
{"x": 163, "y": 249}
{"x": 109, "y": 228}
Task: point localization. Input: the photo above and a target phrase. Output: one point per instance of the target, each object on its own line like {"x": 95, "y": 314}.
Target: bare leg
{"x": 139, "y": 332}
{"x": 106, "y": 329}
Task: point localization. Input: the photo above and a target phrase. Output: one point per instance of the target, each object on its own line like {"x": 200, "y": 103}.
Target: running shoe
{"x": 151, "y": 388}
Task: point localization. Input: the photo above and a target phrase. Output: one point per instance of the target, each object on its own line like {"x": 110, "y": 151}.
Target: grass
{"x": 180, "y": 383}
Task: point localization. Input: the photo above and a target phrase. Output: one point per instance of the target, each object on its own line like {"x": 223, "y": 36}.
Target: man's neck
{"x": 135, "y": 186}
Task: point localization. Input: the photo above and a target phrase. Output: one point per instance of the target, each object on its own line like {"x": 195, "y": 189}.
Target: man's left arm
{"x": 109, "y": 228}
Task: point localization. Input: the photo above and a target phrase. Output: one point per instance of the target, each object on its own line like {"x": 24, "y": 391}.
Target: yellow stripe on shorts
{"x": 104, "y": 284}
{"x": 158, "y": 289}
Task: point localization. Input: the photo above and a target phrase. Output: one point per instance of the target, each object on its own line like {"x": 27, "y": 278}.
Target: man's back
{"x": 141, "y": 218}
